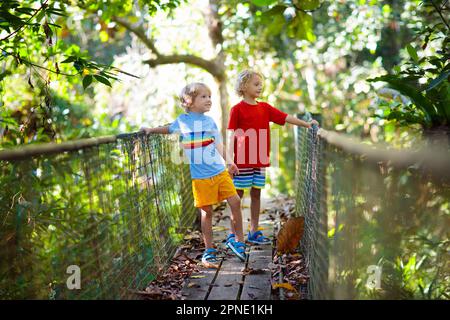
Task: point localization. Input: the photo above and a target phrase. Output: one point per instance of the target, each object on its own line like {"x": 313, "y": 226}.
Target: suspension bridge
{"x": 117, "y": 207}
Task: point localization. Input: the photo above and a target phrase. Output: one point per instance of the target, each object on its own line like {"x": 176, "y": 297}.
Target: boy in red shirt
{"x": 250, "y": 143}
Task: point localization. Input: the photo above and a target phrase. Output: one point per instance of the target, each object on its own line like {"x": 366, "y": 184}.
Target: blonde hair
{"x": 189, "y": 92}
{"x": 242, "y": 80}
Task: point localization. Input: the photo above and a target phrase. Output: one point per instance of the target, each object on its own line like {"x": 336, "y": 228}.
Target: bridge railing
{"x": 376, "y": 220}
{"x": 90, "y": 219}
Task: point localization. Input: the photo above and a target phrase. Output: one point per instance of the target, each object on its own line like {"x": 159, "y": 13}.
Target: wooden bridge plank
{"x": 257, "y": 285}
{"x": 229, "y": 277}
{"x": 229, "y": 280}
{"x": 198, "y": 286}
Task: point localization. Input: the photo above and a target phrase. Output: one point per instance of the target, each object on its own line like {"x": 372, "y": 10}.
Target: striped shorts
{"x": 250, "y": 177}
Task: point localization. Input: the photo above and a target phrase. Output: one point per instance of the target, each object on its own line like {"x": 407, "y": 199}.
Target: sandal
{"x": 230, "y": 237}
{"x": 209, "y": 259}
{"x": 257, "y": 238}
{"x": 238, "y": 249}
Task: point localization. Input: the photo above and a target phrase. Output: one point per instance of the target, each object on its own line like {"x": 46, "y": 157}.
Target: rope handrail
{"x": 116, "y": 207}
{"x": 369, "y": 213}
{"x": 433, "y": 160}
{"x": 27, "y": 151}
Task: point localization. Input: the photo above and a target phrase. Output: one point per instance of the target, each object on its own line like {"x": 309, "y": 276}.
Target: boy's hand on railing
{"x": 313, "y": 122}
{"x": 146, "y": 130}
{"x": 232, "y": 169}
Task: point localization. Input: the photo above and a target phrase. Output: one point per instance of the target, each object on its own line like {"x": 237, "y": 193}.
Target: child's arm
{"x": 230, "y": 141}
{"x": 163, "y": 129}
{"x": 232, "y": 168}
{"x": 296, "y": 121}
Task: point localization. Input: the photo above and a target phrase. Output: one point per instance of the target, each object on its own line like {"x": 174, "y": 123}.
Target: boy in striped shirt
{"x": 211, "y": 181}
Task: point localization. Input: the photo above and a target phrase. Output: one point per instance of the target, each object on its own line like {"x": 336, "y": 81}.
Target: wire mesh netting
{"x": 310, "y": 203}
{"x": 115, "y": 210}
{"x": 372, "y": 231}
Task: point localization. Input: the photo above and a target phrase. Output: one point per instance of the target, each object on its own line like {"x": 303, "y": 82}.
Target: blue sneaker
{"x": 238, "y": 248}
{"x": 257, "y": 238}
{"x": 209, "y": 259}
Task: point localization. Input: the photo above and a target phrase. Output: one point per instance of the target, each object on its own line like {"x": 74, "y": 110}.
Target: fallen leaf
{"x": 197, "y": 277}
{"x": 247, "y": 271}
{"x": 193, "y": 284}
{"x": 219, "y": 228}
{"x": 284, "y": 285}
{"x": 289, "y": 236}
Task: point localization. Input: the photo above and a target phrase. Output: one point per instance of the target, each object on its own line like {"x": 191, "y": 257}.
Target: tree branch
{"x": 214, "y": 23}
{"x": 44, "y": 5}
{"x": 440, "y": 14}
{"x": 26, "y": 62}
{"x": 207, "y": 65}
{"x": 139, "y": 32}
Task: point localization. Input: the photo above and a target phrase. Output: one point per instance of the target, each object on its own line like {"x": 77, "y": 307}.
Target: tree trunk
{"x": 223, "y": 106}
{"x": 216, "y": 66}
{"x": 214, "y": 24}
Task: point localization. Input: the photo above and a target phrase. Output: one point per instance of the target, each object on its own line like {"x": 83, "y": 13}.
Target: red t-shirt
{"x": 252, "y": 142}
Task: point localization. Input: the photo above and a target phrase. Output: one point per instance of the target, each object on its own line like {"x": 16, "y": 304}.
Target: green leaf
{"x": 435, "y": 82}
{"x": 308, "y": 4}
{"x": 87, "y": 80}
{"x": 413, "y": 93}
{"x": 39, "y": 16}
{"x": 262, "y": 3}
{"x": 412, "y": 53}
{"x": 274, "y": 19}
{"x": 57, "y": 12}
{"x": 268, "y": 16}
{"x": 102, "y": 80}
{"x": 70, "y": 59}
{"x": 305, "y": 27}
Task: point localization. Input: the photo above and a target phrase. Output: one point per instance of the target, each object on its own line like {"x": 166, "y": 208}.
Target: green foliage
{"x": 116, "y": 210}
{"x": 425, "y": 81}
{"x": 264, "y": 2}
{"x": 382, "y": 216}
{"x": 32, "y": 34}
{"x": 40, "y": 44}
{"x": 294, "y": 17}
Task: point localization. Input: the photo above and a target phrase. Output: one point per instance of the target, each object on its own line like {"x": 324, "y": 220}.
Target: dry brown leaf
{"x": 284, "y": 285}
{"x": 247, "y": 271}
{"x": 289, "y": 236}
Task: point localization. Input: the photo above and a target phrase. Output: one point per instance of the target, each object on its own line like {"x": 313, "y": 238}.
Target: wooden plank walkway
{"x": 234, "y": 279}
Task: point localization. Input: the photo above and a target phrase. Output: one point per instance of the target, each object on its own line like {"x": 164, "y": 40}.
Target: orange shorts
{"x": 212, "y": 190}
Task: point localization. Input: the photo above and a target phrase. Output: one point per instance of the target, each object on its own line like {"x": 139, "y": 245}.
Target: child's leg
{"x": 236, "y": 217}
{"x": 207, "y": 226}
{"x": 241, "y": 195}
{"x": 255, "y": 207}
